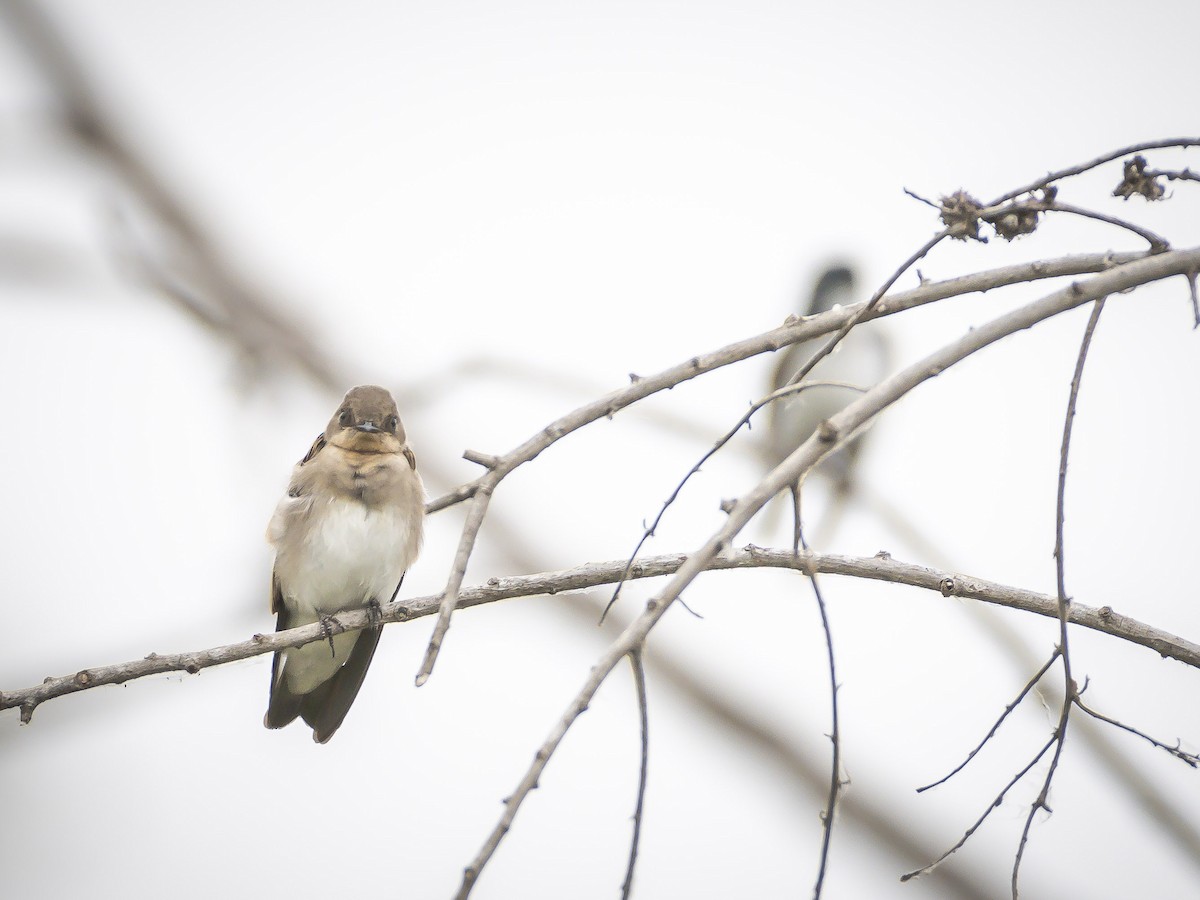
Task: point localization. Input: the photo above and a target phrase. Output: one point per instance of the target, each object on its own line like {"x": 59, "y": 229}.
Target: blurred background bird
{"x": 861, "y": 359}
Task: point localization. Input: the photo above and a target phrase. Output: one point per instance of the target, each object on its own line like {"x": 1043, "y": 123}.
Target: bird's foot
{"x": 327, "y": 629}
{"x": 374, "y": 612}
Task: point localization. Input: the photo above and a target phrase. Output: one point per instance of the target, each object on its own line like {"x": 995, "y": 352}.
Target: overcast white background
{"x": 585, "y": 190}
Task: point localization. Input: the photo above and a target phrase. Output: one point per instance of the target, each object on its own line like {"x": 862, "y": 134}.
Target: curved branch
{"x": 878, "y": 568}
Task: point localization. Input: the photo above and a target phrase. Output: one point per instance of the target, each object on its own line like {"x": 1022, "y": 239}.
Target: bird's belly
{"x": 352, "y": 554}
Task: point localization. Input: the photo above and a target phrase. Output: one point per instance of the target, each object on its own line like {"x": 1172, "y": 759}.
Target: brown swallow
{"x": 344, "y": 534}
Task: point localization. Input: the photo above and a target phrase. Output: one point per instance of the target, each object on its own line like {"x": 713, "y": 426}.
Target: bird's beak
{"x": 369, "y": 427}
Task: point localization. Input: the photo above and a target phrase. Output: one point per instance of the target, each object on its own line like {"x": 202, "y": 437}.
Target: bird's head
{"x": 367, "y": 422}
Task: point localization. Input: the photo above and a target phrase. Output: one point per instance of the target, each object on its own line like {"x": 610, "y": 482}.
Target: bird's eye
{"x": 392, "y": 423}
{"x": 345, "y": 419}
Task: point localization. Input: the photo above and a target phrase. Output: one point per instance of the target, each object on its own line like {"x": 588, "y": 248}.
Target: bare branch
{"x": 1029, "y": 686}
{"x": 1064, "y": 602}
{"x": 840, "y": 428}
{"x": 1192, "y": 759}
{"x": 835, "y": 765}
{"x": 995, "y": 804}
{"x": 639, "y": 683}
{"x": 596, "y": 574}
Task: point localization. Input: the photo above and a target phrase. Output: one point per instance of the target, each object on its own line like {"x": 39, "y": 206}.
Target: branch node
{"x": 728, "y": 505}
{"x": 947, "y": 587}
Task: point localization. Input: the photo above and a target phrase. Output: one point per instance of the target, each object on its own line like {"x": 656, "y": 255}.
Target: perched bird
{"x": 344, "y": 534}
{"x": 861, "y": 359}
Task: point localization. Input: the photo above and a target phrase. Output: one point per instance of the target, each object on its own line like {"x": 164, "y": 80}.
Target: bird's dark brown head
{"x": 367, "y": 421}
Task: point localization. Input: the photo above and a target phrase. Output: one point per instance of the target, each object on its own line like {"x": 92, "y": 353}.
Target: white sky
{"x": 588, "y": 190}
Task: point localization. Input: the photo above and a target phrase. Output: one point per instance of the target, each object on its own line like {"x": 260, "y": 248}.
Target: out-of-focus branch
{"x": 198, "y": 277}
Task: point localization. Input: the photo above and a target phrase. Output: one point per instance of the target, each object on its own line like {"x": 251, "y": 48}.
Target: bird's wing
{"x": 317, "y": 446}
{"x": 284, "y": 706}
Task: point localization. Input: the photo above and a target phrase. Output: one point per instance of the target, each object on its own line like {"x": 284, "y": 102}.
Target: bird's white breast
{"x": 351, "y": 554}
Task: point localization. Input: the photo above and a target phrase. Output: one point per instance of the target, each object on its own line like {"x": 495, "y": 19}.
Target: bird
{"x": 860, "y": 359}
{"x": 344, "y": 534}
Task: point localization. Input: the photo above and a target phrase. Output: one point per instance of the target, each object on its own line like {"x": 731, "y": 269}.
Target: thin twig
{"x": 639, "y": 683}
{"x": 995, "y": 804}
{"x": 1157, "y": 243}
{"x": 1069, "y": 687}
{"x": 924, "y": 200}
{"x": 1177, "y": 751}
{"x": 835, "y": 775}
{"x": 1029, "y": 686}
